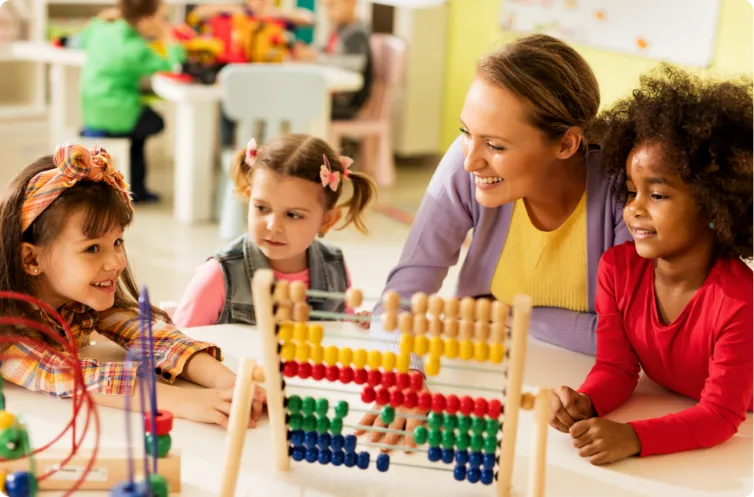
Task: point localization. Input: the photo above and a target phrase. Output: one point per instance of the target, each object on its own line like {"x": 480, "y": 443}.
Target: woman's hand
{"x": 567, "y": 407}
{"x": 604, "y": 441}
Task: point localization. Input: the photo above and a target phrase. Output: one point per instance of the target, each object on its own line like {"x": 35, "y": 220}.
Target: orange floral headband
{"x": 73, "y": 163}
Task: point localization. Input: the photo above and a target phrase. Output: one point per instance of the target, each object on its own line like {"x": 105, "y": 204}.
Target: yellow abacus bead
{"x": 388, "y": 361}
{"x": 436, "y": 346}
{"x": 421, "y": 344}
{"x": 467, "y": 350}
{"x": 302, "y": 352}
{"x": 285, "y": 332}
{"x": 3, "y": 476}
{"x": 360, "y": 358}
{"x": 375, "y": 359}
{"x": 432, "y": 367}
{"x": 288, "y": 351}
{"x": 318, "y": 353}
{"x": 345, "y": 356}
{"x": 7, "y": 420}
{"x": 497, "y": 353}
{"x": 316, "y": 332}
{"x": 404, "y": 362}
{"x": 407, "y": 343}
{"x": 331, "y": 355}
{"x": 300, "y": 331}
{"x": 481, "y": 351}
{"x": 451, "y": 348}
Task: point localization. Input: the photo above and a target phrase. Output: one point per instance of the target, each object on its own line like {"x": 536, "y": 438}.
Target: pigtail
{"x": 240, "y": 171}
{"x": 364, "y": 191}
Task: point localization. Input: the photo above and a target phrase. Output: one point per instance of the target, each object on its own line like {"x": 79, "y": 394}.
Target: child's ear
{"x": 30, "y": 259}
{"x": 570, "y": 143}
{"x": 331, "y": 219}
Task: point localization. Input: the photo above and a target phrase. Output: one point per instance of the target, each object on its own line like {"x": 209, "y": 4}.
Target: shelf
{"x": 22, "y": 111}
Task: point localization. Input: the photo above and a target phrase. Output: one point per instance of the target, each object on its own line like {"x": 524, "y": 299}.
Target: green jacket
{"x": 117, "y": 59}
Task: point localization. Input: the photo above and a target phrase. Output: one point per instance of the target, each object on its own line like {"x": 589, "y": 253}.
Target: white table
{"x": 197, "y": 120}
{"x": 723, "y": 471}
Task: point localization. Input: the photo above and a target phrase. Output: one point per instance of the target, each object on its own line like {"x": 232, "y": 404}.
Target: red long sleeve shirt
{"x": 705, "y": 353}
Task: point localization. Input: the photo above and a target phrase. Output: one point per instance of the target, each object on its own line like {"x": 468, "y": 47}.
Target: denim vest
{"x": 240, "y": 259}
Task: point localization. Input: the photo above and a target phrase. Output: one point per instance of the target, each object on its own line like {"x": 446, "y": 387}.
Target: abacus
{"x": 461, "y": 430}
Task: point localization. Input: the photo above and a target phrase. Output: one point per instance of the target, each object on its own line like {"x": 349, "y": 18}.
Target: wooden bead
{"x": 282, "y": 291}
{"x": 354, "y": 297}
{"x": 527, "y": 401}
{"x": 404, "y": 363}
{"x": 482, "y": 331}
{"x": 316, "y": 333}
{"x": 421, "y": 345}
{"x": 432, "y": 366}
{"x": 301, "y": 312}
{"x": 466, "y": 349}
{"x": 468, "y": 308}
{"x": 392, "y": 301}
{"x": 497, "y": 353}
{"x": 300, "y": 332}
{"x": 390, "y": 322}
{"x": 360, "y": 358}
{"x": 481, "y": 351}
{"x": 451, "y": 327}
{"x": 483, "y": 309}
{"x": 283, "y": 312}
{"x": 436, "y": 305}
{"x": 374, "y": 360}
{"x": 451, "y": 348}
{"x": 419, "y": 303}
{"x": 436, "y": 346}
{"x": 406, "y": 344}
{"x": 451, "y": 309}
{"x": 497, "y": 333}
{"x": 420, "y": 324}
{"x": 405, "y": 322}
{"x": 318, "y": 353}
{"x": 435, "y": 326}
{"x": 466, "y": 329}
{"x": 298, "y": 291}
{"x": 499, "y": 311}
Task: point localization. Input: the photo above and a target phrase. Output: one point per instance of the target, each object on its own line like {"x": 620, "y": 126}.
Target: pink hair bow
{"x": 328, "y": 177}
{"x": 346, "y": 162}
{"x": 251, "y": 152}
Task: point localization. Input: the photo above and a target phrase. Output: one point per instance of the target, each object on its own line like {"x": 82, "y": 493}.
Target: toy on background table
{"x": 473, "y": 439}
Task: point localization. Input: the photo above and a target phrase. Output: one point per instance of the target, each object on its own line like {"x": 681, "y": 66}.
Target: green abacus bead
{"x": 308, "y": 405}
{"x": 448, "y": 439}
{"x": 450, "y": 421}
{"x": 295, "y": 421}
{"x": 420, "y": 435}
{"x": 323, "y": 424}
{"x": 476, "y": 443}
{"x": 434, "y": 421}
{"x": 309, "y": 422}
{"x": 462, "y": 441}
{"x": 490, "y": 444}
{"x": 321, "y": 407}
{"x": 157, "y": 484}
{"x": 493, "y": 425}
{"x": 477, "y": 425}
{"x": 10, "y": 443}
{"x": 164, "y": 443}
{"x": 387, "y": 415}
{"x": 464, "y": 423}
{"x": 336, "y": 426}
{"x": 341, "y": 410}
{"x": 294, "y": 404}
{"x": 434, "y": 438}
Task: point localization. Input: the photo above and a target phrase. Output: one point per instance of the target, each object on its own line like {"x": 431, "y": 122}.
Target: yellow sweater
{"x": 550, "y": 266}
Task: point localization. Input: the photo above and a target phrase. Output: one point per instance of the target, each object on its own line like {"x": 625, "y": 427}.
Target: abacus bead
{"x": 332, "y": 373}
{"x": 432, "y": 367}
{"x": 315, "y": 334}
{"x": 383, "y": 463}
{"x": 341, "y": 409}
{"x": 283, "y": 312}
{"x": 388, "y": 379}
{"x": 448, "y": 439}
{"x": 336, "y": 426}
{"x": 434, "y": 421}
{"x": 451, "y": 348}
{"x": 459, "y": 473}
{"x": 374, "y": 377}
{"x": 449, "y": 421}
{"x": 434, "y": 454}
{"x": 336, "y": 442}
{"x": 300, "y": 332}
{"x": 308, "y": 423}
{"x": 406, "y": 344}
{"x": 345, "y": 356}
{"x": 354, "y": 297}
{"x": 290, "y": 368}
{"x": 322, "y": 406}
{"x": 164, "y": 442}
{"x": 285, "y": 332}
{"x": 410, "y": 399}
{"x": 436, "y": 346}
{"x": 489, "y": 461}
{"x": 302, "y": 352}
{"x": 419, "y": 302}
{"x": 463, "y": 441}
{"x": 317, "y": 354}
{"x": 425, "y": 401}
{"x": 310, "y": 439}
{"x": 346, "y": 375}
{"x": 331, "y": 355}
{"x": 464, "y": 423}
{"x": 490, "y": 444}
{"x": 438, "y": 402}
{"x": 476, "y": 443}
{"x": 123, "y": 489}
{"x": 420, "y": 435}
{"x": 360, "y": 358}
{"x": 391, "y": 300}
{"x": 338, "y": 457}
{"x": 349, "y": 443}
{"x": 318, "y": 372}
{"x": 493, "y": 425}
{"x": 494, "y": 408}
{"x": 474, "y": 475}
{"x": 477, "y": 425}
{"x": 157, "y": 486}
{"x": 312, "y": 454}
{"x": 452, "y": 404}
{"x": 467, "y": 405}
{"x": 468, "y": 308}
{"x": 297, "y": 438}
{"x": 298, "y": 454}
{"x": 387, "y": 415}
{"x": 388, "y": 361}
{"x": 497, "y": 353}
{"x": 308, "y": 405}
{"x": 288, "y": 351}
{"x": 368, "y": 395}
{"x": 480, "y": 407}
{"x": 396, "y": 398}
{"x": 295, "y": 421}
{"x": 389, "y": 321}
{"x": 404, "y": 362}
{"x": 488, "y": 476}
{"x": 293, "y": 404}
{"x": 374, "y": 359}
{"x": 360, "y": 376}
{"x": 323, "y": 441}
{"x": 363, "y": 460}
{"x": 475, "y": 459}
{"x": 462, "y": 456}
{"x": 417, "y": 381}
{"x": 481, "y": 351}
{"x": 297, "y": 291}
{"x": 448, "y": 455}
{"x": 323, "y": 424}
{"x": 382, "y": 396}
{"x": 434, "y": 438}
{"x": 467, "y": 350}
{"x": 450, "y": 328}
{"x": 402, "y": 381}
{"x": 421, "y": 344}
{"x": 350, "y": 460}
{"x": 324, "y": 456}
{"x": 304, "y": 370}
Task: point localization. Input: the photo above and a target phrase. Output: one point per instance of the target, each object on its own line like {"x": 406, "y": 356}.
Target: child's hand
{"x": 209, "y": 405}
{"x": 399, "y": 423}
{"x": 567, "y": 407}
{"x": 363, "y": 324}
{"x": 604, "y": 441}
{"x": 303, "y": 52}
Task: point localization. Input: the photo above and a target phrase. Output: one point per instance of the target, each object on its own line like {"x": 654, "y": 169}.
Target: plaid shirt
{"x": 38, "y": 370}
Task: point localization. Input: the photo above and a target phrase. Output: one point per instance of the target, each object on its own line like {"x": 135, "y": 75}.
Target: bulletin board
{"x": 676, "y": 31}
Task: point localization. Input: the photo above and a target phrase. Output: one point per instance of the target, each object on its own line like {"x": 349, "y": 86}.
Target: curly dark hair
{"x": 705, "y": 127}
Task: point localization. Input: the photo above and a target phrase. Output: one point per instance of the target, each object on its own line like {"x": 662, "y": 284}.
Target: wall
{"x": 474, "y": 30}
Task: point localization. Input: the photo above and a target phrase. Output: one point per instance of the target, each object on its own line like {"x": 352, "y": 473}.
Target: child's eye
{"x": 260, "y": 208}
{"x": 295, "y": 215}
{"x": 630, "y": 194}
{"x": 657, "y": 196}
{"x": 92, "y": 249}
{"x": 119, "y": 242}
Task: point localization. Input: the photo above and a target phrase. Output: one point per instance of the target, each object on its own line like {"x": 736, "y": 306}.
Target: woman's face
{"x": 508, "y": 156}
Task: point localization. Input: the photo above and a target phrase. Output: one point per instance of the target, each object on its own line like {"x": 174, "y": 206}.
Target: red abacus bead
{"x": 304, "y": 370}
{"x": 402, "y": 381}
{"x": 163, "y": 420}
{"x": 396, "y": 398}
{"x": 388, "y": 379}
{"x": 494, "y": 408}
{"x": 368, "y": 395}
{"x": 290, "y": 369}
{"x": 417, "y": 381}
{"x": 480, "y": 407}
{"x": 467, "y": 405}
{"x": 360, "y": 376}
{"x": 346, "y": 375}
{"x": 410, "y": 399}
{"x": 425, "y": 401}
{"x": 318, "y": 372}
{"x": 374, "y": 377}
{"x": 452, "y": 404}
{"x": 332, "y": 373}
{"x": 383, "y": 396}
{"x": 438, "y": 402}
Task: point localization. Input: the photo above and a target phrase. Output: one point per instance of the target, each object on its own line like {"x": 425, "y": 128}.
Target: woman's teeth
{"x": 488, "y": 180}
{"x": 103, "y": 284}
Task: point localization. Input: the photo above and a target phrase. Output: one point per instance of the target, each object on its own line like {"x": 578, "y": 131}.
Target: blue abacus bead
{"x": 383, "y": 463}
{"x": 349, "y": 443}
{"x": 21, "y": 484}
{"x": 312, "y": 454}
{"x": 310, "y": 439}
{"x": 350, "y": 460}
{"x": 489, "y": 461}
{"x": 362, "y": 461}
{"x": 336, "y": 442}
{"x": 474, "y": 475}
{"x": 475, "y": 460}
{"x": 297, "y": 438}
{"x": 462, "y": 456}
{"x": 434, "y": 454}
{"x": 448, "y": 455}
{"x": 299, "y": 453}
{"x": 127, "y": 489}
{"x": 338, "y": 457}
{"x": 324, "y": 456}
{"x": 488, "y": 476}
{"x": 323, "y": 440}
{"x": 459, "y": 473}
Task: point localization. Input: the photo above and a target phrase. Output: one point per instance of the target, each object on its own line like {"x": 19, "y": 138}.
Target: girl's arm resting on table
{"x": 204, "y": 297}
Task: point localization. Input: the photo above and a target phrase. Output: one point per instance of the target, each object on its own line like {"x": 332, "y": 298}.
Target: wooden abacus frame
{"x": 274, "y": 304}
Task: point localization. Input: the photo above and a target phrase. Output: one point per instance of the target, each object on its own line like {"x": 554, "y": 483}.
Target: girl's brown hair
{"x": 560, "y": 87}
{"x": 104, "y": 209}
{"x": 301, "y": 156}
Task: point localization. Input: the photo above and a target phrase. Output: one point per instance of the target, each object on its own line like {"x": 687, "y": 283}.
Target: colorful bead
{"x": 438, "y": 402}
{"x": 477, "y": 425}
{"x": 488, "y": 476}
{"x": 464, "y": 423}
{"x": 318, "y": 372}
{"x": 474, "y": 475}
{"x": 404, "y": 363}
{"x": 490, "y": 444}
{"x": 304, "y": 370}
{"x": 308, "y": 422}
{"x": 420, "y": 435}
{"x": 360, "y": 358}
{"x": 300, "y": 331}
{"x": 448, "y": 455}
{"x": 297, "y": 437}
{"x": 492, "y": 427}
{"x": 432, "y": 366}
{"x": 349, "y": 444}
{"x": 417, "y": 381}
{"x": 406, "y": 345}
{"x": 475, "y": 459}
{"x": 310, "y": 439}
{"x": 363, "y": 460}
{"x": 402, "y": 381}
{"x": 368, "y": 395}
{"x": 322, "y": 406}
{"x": 451, "y": 348}
{"x": 459, "y": 473}
{"x": 316, "y": 332}
{"x": 323, "y": 424}
{"x": 341, "y": 409}
{"x": 462, "y": 456}
{"x": 312, "y": 455}
{"x": 336, "y": 426}
{"x": 290, "y": 369}
{"x": 489, "y": 461}
{"x": 332, "y": 373}
{"x": 350, "y": 460}
{"x": 449, "y": 421}
{"x": 157, "y": 486}
{"x": 345, "y": 357}
{"x": 425, "y": 401}
{"x": 466, "y": 350}
{"x": 452, "y": 404}
{"x": 467, "y": 405}
{"x": 21, "y": 484}
{"x": 480, "y": 407}
{"x": 324, "y": 456}
{"x": 477, "y": 442}
{"x": 338, "y": 457}
{"x": 463, "y": 441}
{"x": 434, "y": 438}
{"x": 331, "y": 355}
{"x": 410, "y": 399}
{"x": 481, "y": 351}
{"x": 374, "y": 377}
{"x": 382, "y": 396}
{"x": 308, "y": 405}
{"x": 374, "y": 359}
{"x": 317, "y": 353}
{"x": 448, "y": 439}
{"x": 298, "y": 454}
{"x": 497, "y": 353}
{"x": 336, "y": 442}
{"x": 285, "y": 332}
{"x": 360, "y": 376}
{"x": 288, "y": 352}
{"x": 383, "y": 462}
{"x": 388, "y": 379}
{"x": 434, "y": 421}
{"x": 388, "y": 361}
{"x": 295, "y": 421}
{"x": 293, "y": 404}
{"x": 434, "y": 454}
{"x": 387, "y": 415}
{"x": 494, "y": 408}
{"x": 436, "y": 346}
{"x": 396, "y": 398}
{"x": 421, "y": 344}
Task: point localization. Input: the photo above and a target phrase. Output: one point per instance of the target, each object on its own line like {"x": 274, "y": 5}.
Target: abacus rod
{"x": 342, "y": 296}
{"x": 378, "y": 429}
{"x": 469, "y": 387}
{"x": 378, "y": 412}
{"x": 429, "y": 383}
{"x": 332, "y": 390}
{"x": 338, "y": 316}
{"x": 391, "y": 447}
{"x": 420, "y": 466}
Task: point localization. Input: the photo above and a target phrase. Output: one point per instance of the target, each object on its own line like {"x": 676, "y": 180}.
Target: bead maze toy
{"x": 477, "y": 435}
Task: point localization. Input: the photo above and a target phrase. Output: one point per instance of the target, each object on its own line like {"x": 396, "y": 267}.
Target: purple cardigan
{"x": 447, "y": 213}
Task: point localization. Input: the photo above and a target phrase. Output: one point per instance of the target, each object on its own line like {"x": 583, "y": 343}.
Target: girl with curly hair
{"x": 677, "y": 300}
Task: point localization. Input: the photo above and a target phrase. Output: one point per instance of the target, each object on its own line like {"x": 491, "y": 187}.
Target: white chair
{"x": 280, "y": 96}
{"x": 118, "y": 148}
